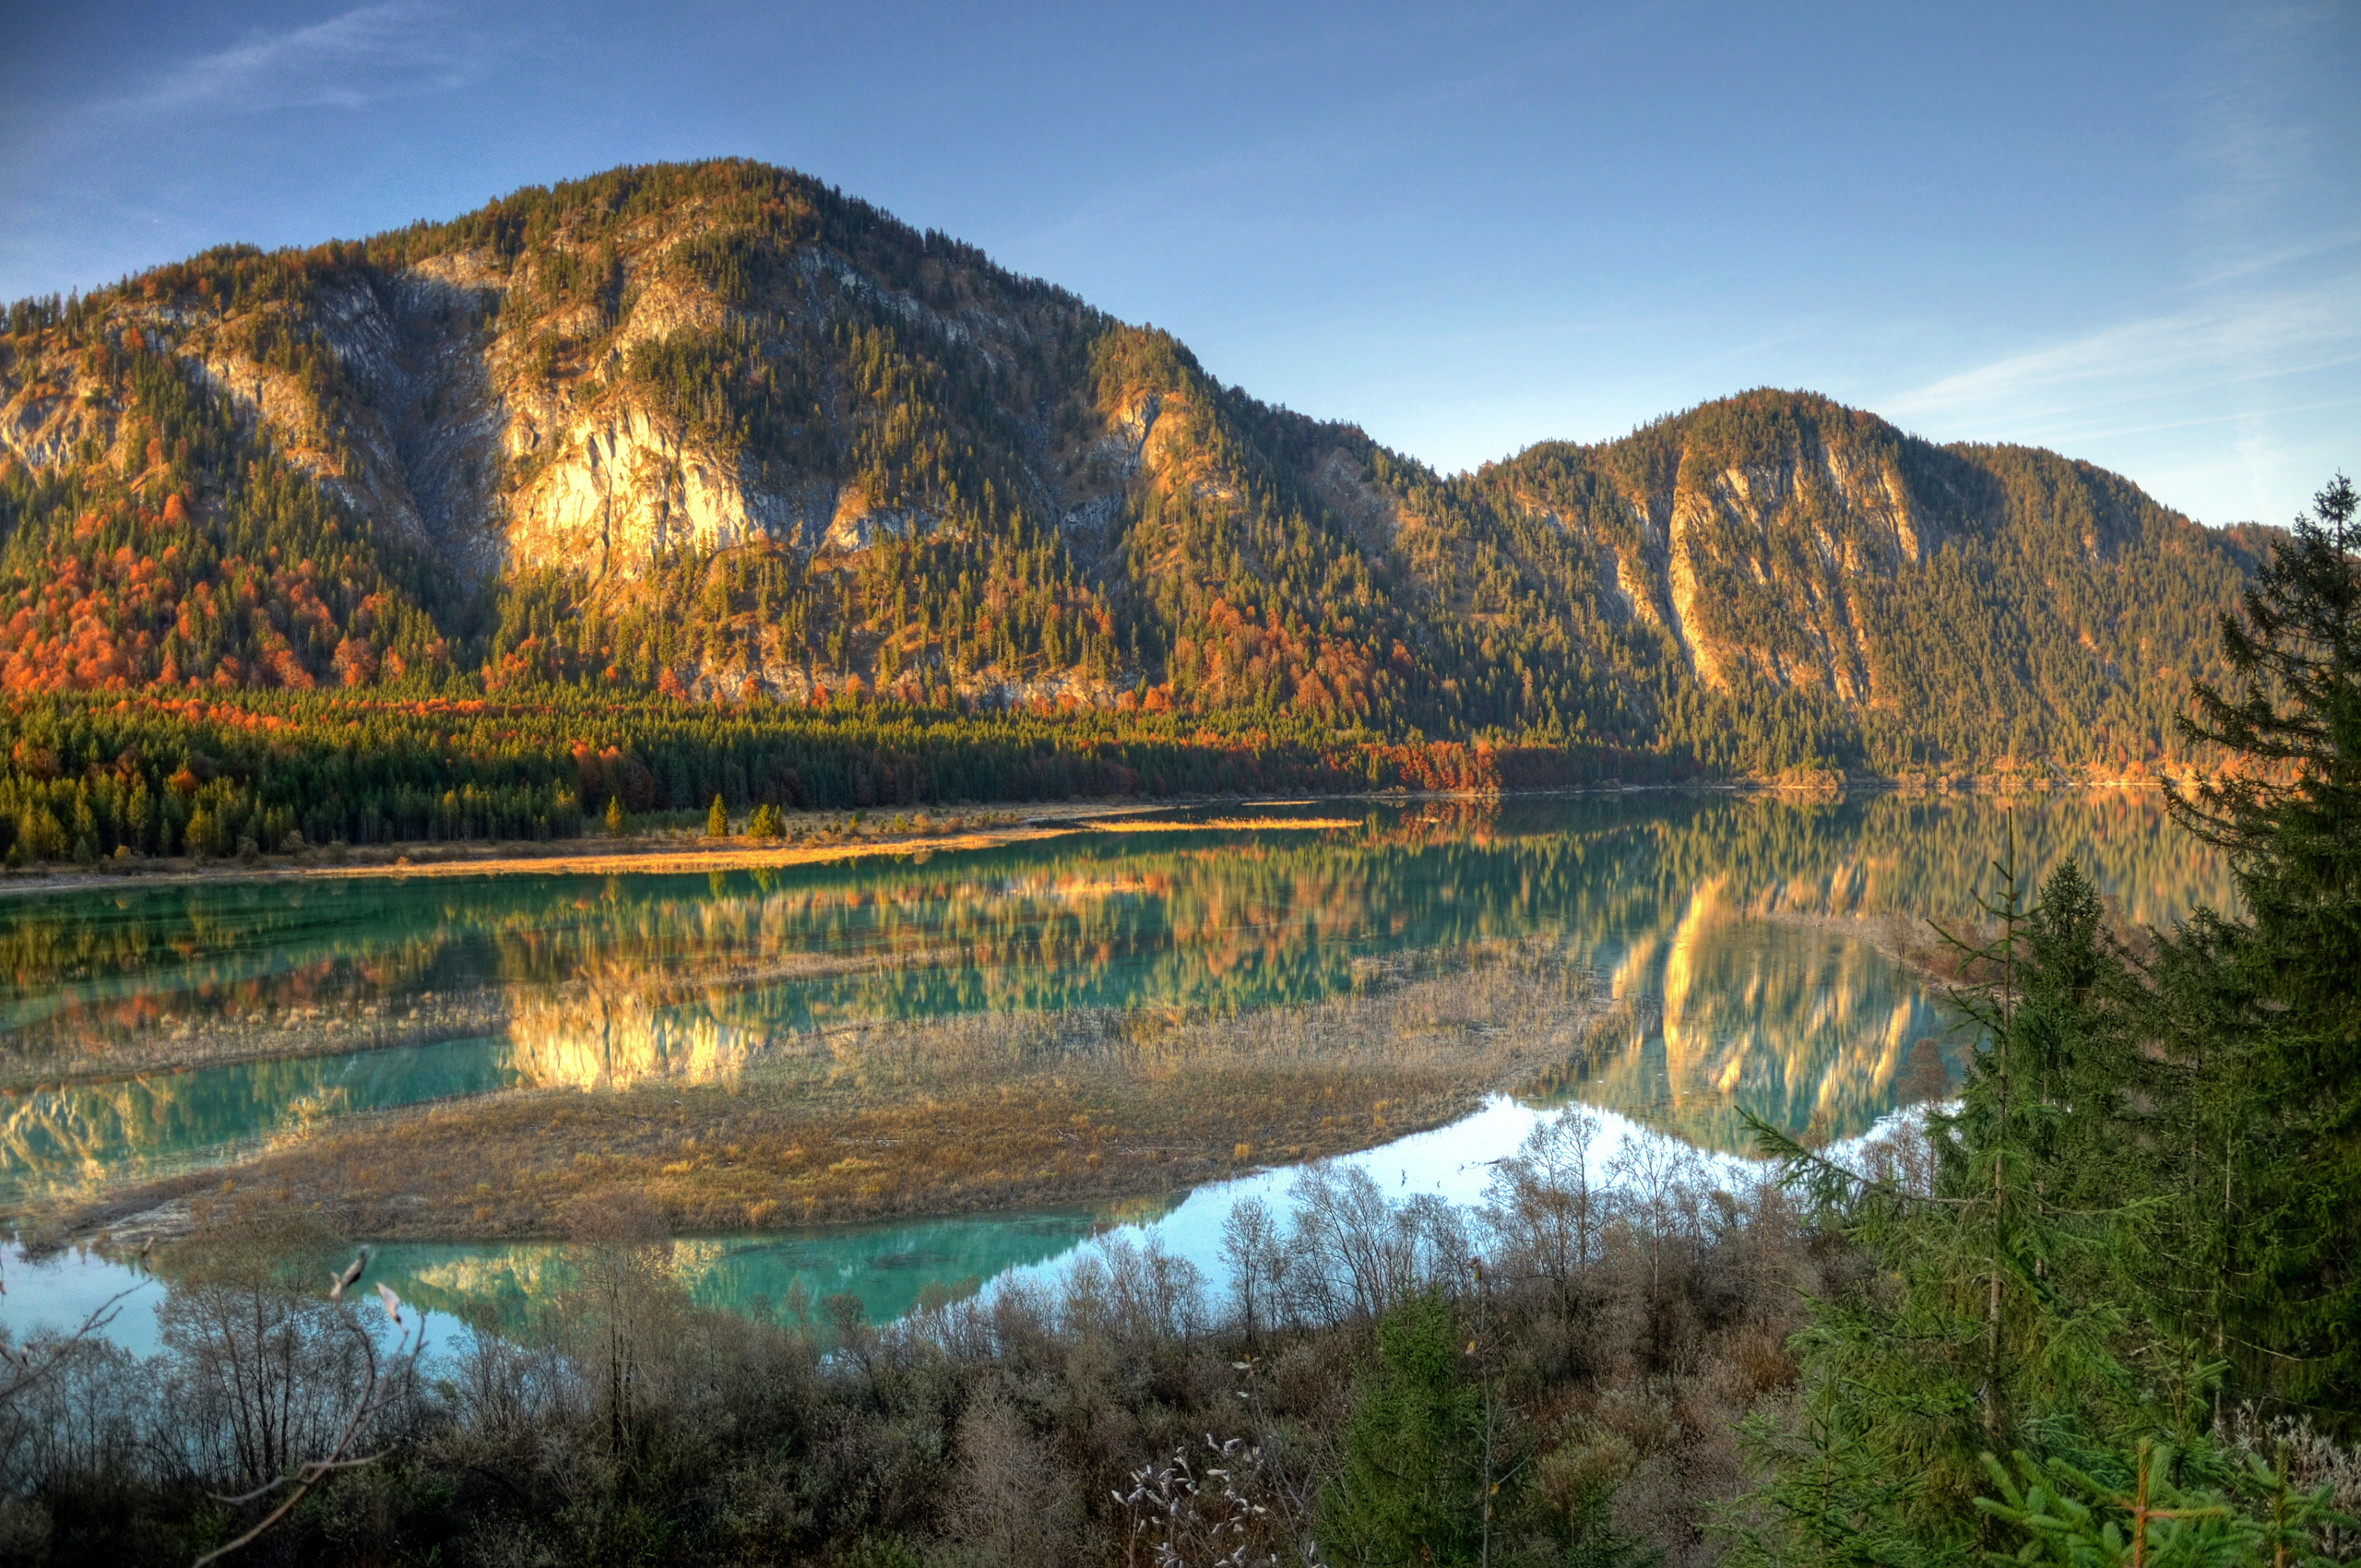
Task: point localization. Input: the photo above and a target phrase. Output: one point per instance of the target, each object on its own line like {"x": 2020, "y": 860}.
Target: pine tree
{"x": 716, "y": 820}
{"x": 2156, "y": 1518}
{"x": 617, "y": 823}
{"x": 1992, "y": 1326}
{"x": 1410, "y": 1489}
{"x": 2264, "y": 1010}
{"x": 2084, "y": 1083}
{"x": 2148, "y": 1164}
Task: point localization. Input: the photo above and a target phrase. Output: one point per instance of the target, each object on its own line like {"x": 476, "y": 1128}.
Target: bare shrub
{"x": 261, "y": 1378}
{"x": 618, "y": 1315}
{"x": 1660, "y": 1190}
{"x": 505, "y": 1394}
{"x": 1540, "y": 1203}
{"x": 273, "y": 1384}
{"x": 1253, "y": 1248}
{"x": 1133, "y": 1293}
{"x": 1354, "y": 1253}
{"x": 1012, "y": 1503}
{"x": 88, "y": 1423}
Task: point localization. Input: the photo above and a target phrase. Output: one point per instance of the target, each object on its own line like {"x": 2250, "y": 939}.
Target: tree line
{"x": 89, "y": 775}
{"x": 1245, "y": 562}
{"x": 2094, "y": 1307}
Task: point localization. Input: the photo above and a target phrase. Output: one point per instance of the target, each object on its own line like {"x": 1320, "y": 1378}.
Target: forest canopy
{"x": 713, "y": 433}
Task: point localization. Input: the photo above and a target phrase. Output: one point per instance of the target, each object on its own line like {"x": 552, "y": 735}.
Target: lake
{"x": 1742, "y": 942}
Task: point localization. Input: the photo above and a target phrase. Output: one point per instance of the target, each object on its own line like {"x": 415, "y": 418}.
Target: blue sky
{"x": 2128, "y": 232}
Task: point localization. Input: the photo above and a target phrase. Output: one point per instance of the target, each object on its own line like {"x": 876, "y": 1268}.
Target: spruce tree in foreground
{"x": 2267, "y": 1009}
{"x": 2145, "y": 1211}
{"x": 1411, "y": 1490}
{"x": 1978, "y": 1333}
{"x": 2001, "y": 1386}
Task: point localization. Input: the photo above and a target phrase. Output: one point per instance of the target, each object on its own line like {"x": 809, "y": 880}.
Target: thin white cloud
{"x": 2101, "y": 431}
{"x": 2255, "y": 146}
{"x": 2307, "y": 249}
{"x": 401, "y": 49}
{"x": 2255, "y": 339}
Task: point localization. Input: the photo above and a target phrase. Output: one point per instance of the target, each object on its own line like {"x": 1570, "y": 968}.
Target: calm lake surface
{"x": 1735, "y": 935}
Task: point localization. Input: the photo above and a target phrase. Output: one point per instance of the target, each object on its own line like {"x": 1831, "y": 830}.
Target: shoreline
{"x": 561, "y": 857}
{"x": 898, "y": 1121}
{"x": 689, "y": 853}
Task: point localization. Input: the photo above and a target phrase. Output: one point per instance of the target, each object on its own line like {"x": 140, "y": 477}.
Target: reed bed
{"x": 943, "y": 1116}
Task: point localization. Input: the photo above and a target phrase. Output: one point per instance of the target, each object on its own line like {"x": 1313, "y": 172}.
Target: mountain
{"x": 720, "y": 433}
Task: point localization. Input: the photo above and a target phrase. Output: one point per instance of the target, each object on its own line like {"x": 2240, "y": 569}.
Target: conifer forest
{"x": 703, "y": 510}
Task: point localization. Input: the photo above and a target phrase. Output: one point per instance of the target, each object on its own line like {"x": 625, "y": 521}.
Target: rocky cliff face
{"x": 1750, "y": 567}
{"x": 450, "y": 422}
{"x": 721, "y": 430}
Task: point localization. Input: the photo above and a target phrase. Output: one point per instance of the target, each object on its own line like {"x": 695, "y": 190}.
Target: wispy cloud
{"x": 401, "y": 49}
{"x": 2254, "y": 149}
{"x": 2100, "y": 430}
{"x": 2255, "y": 339}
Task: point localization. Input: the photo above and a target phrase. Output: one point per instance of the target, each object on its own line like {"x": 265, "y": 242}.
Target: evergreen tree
{"x": 1412, "y": 1485}
{"x": 716, "y": 819}
{"x": 2086, "y": 1091}
{"x": 2158, "y": 1518}
{"x": 2145, "y": 1193}
{"x": 2263, "y": 1010}
{"x": 1993, "y": 1323}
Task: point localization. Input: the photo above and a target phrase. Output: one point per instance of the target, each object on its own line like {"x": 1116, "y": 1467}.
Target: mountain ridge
{"x": 716, "y": 430}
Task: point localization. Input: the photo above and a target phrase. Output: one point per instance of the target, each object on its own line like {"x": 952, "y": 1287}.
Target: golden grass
{"x": 88, "y": 1054}
{"x": 941, "y": 1117}
{"x": 652, "y": 854}
{"x": 1257, "y": 824}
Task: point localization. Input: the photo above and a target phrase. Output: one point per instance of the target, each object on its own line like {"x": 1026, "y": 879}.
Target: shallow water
{"x": 886, "y": 1267}
{"x": 1727, "y": 932}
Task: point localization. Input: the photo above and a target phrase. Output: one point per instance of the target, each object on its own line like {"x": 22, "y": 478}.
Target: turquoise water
{"x": 72, "y": 1136}
{"x": 788, "y": 1276}
{"x": 1729, "y": 933}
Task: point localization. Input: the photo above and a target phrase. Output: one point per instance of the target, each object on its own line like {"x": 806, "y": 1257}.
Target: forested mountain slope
{"x": 720, "y": 433}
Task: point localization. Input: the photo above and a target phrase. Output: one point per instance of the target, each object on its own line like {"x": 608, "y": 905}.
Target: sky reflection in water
{"x": 1725, "y": 929}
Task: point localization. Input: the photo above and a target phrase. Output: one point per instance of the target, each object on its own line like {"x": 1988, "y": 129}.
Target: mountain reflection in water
{"x": 885, "y": 1267}
{"x": 1731, "y": 932}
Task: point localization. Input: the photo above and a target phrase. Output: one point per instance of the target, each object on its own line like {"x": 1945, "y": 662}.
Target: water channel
{"x": 1745, "y": 944}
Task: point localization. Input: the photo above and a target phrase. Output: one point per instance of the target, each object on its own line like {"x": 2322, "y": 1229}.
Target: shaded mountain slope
{"x": 718, "y": 432}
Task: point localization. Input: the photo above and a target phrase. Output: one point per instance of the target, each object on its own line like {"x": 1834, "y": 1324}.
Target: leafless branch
{"x": 384, "y": 1381}
{"x": 25, "y": 1369}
